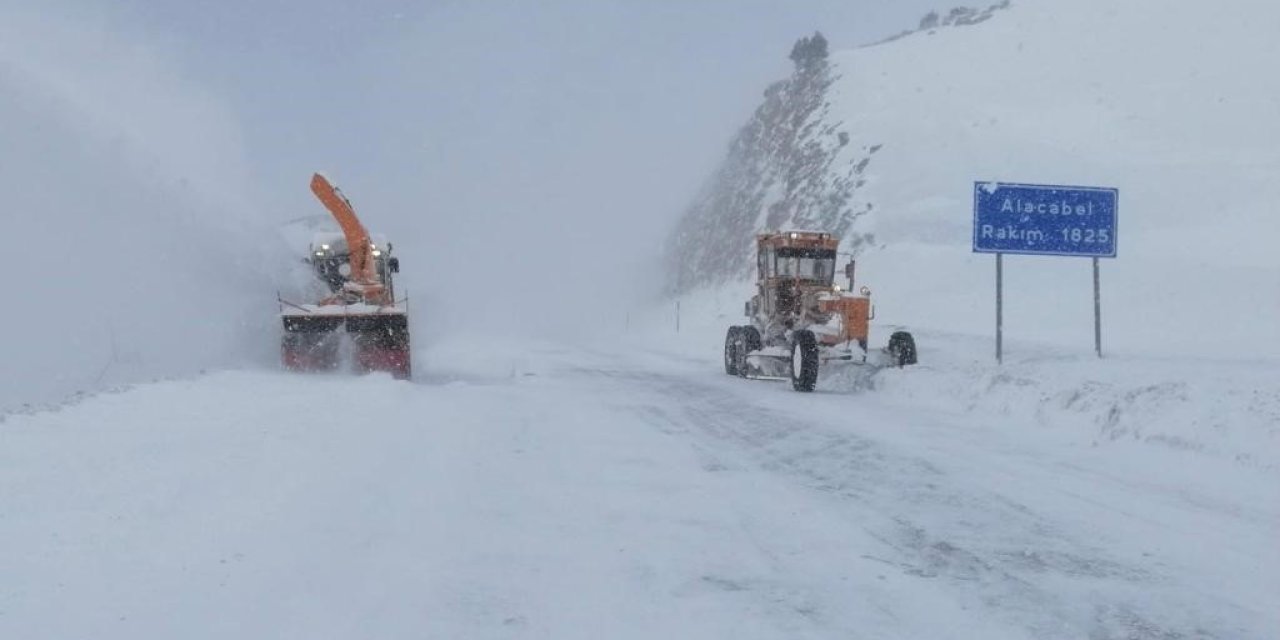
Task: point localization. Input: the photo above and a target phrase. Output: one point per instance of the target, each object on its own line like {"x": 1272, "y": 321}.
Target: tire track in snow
{"x": 995, "y": 552}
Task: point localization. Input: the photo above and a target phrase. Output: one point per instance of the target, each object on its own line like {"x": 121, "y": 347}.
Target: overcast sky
{"x": 504, "y": 107}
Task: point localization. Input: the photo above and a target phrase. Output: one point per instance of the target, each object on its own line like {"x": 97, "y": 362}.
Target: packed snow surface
{"x": 530, "y": 490}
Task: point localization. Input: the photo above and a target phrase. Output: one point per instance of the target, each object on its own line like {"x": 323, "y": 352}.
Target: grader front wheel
{"x": 748, "y": 341}
{"x": 804, "y": 361}
{"x": 732, "y": 342}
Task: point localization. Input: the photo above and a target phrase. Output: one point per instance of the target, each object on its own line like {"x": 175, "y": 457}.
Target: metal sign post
{"x": 999, "y": 307}
{"x": 1097, "y": 310}
{"x": 1047, "y": 220}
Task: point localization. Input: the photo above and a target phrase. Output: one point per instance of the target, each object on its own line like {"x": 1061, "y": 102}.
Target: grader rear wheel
{"x": 902, "y": 346}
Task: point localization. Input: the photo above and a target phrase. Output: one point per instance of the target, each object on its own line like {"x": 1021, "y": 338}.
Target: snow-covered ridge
{"x": 956, "y": 17}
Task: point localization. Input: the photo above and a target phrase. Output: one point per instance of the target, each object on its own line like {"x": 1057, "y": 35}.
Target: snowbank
{"x": 1224, "y": 408}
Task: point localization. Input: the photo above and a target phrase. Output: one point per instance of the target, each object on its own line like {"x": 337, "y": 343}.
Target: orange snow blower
{"x": 357, "y": 269}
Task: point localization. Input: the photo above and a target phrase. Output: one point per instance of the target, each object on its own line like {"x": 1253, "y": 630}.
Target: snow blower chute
{"x": 358, "y": 271}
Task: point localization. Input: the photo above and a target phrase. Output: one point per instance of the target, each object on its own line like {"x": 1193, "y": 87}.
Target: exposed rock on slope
{"x": 791, "y": 166}
{"x": 957, "y": 17}
{"x": 794, "y": 165}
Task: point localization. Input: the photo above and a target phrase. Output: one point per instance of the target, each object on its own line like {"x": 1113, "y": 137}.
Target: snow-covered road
{"x": 546, "y": 491}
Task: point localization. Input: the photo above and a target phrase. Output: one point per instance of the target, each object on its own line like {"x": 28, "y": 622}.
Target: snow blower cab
{"x": 358, "y": 270}
{"x": 331, "y": 261}
{"x": 800, "y": 319}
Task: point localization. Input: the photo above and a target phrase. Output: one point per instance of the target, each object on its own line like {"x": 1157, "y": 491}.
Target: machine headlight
{"x": 324, "y": 247}
{"x": 376, "y": 253}
{"x": 866, "y": 291}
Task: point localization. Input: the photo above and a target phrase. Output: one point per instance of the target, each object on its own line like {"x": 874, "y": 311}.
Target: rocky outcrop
{"x": 956, "y": 17}
{"x": 791, "y": 166}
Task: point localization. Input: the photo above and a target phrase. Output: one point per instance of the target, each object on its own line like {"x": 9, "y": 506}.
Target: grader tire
{"x": 731, "y": 345}
{"x": 748, "y": 341}
{"x": 902, "y": 346}
{"x": 804, "y": 361}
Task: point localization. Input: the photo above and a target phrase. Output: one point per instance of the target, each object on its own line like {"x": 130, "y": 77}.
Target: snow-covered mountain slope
{"x": 1173, "y": 104}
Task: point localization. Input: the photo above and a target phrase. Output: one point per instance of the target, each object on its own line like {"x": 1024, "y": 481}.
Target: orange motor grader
{"x": 358, "y": 271}
{"x": 800, "y": 319}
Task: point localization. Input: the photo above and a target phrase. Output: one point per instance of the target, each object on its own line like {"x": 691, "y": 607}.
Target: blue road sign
{"x": 1044, "y": 219}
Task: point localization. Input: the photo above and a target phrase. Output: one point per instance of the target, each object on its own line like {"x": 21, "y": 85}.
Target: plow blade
{"x": 380, "y": 342}
{"x": 852, "y": 366}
